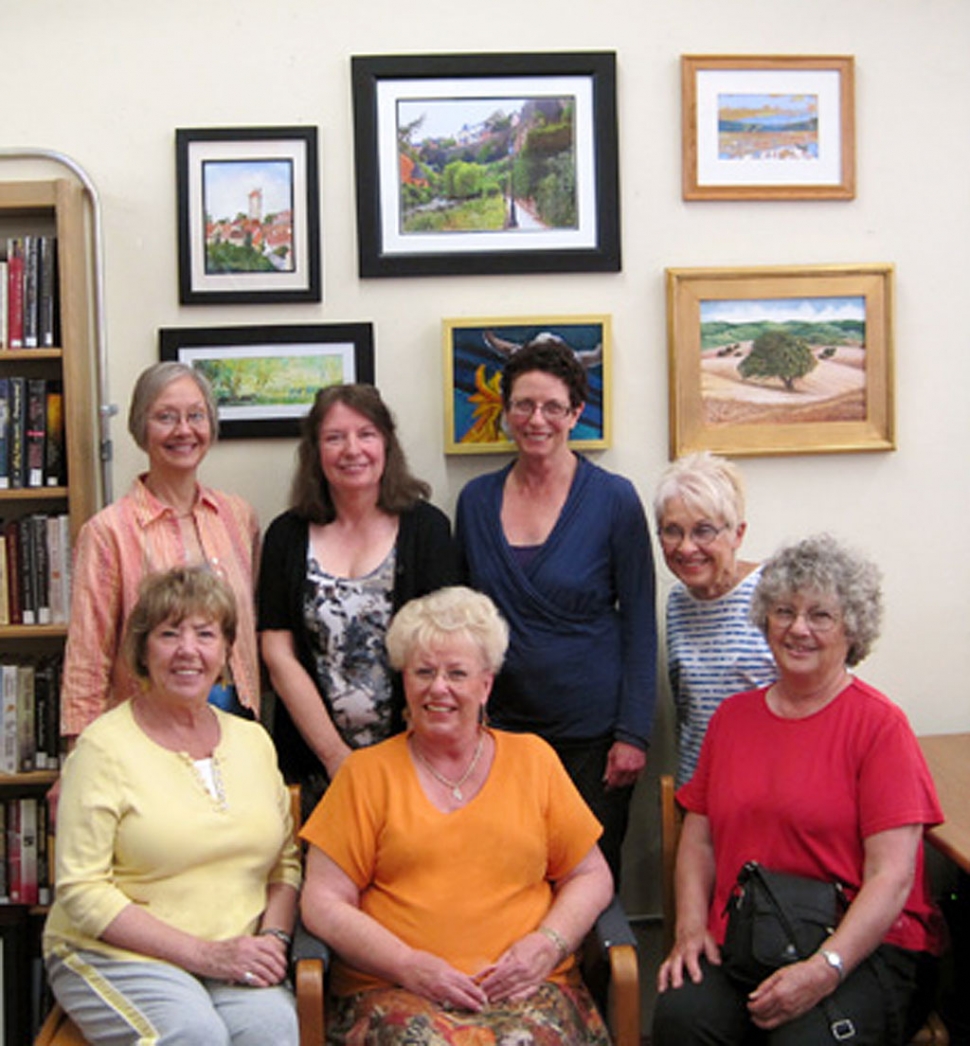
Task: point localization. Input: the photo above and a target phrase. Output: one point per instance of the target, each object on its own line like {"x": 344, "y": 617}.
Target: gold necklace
{"x": 455, "y": 786}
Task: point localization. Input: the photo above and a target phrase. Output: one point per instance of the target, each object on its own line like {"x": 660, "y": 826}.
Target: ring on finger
{"x": 248, "y": 977}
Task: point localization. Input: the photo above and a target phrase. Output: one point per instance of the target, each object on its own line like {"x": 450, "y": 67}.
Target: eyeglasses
{"x": 453, "y": 676}
{"x": 817, "y": 619}
{"x": 169, "y": 419}
{"x": 552, "y": 410}
{"x": 702, "y": 534}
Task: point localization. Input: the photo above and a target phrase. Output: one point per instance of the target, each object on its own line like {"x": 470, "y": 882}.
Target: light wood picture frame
{"x": 771, "y": 127}
{"x": 475, "y": 351}
{"x": 781, "y": 360}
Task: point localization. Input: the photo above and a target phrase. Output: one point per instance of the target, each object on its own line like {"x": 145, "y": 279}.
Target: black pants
{"x": 585, "y": 762}
{"x": 886, "y": 1007}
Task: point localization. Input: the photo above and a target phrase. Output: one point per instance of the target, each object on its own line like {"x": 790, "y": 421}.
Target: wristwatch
{"x": 835, "y": 961}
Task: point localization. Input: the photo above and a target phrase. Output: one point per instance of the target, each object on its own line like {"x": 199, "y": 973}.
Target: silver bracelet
{"x": 275, "y": 931}
{"x": 558, "y": 940}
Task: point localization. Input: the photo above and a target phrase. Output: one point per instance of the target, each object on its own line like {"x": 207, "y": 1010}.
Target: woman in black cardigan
{"x": 359, "y": 541}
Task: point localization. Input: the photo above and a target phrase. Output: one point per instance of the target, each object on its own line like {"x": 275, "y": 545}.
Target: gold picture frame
{"x": 781, "y": 360}
{"x": 475, "y": 351}
{"x": 771, "y": 127}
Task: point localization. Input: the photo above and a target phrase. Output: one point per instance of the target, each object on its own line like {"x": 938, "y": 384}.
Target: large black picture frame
{"x": 387, "y": 88}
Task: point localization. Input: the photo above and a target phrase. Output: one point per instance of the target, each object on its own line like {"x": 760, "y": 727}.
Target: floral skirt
{"x": 554, "y": 1015}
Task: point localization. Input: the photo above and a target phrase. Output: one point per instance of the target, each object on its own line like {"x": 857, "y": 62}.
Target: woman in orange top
{"x": 454, "y": 869}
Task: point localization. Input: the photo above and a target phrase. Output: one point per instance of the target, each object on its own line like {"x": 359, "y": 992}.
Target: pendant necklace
{"x": 454, "y": 786}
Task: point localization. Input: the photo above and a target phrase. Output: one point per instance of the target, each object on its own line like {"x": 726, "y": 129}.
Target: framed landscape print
{"x": 787, "y": 360}
{"x": 486, "y": 163}
{"x": 475, "y": 353}
{"x": 768, "y": 128}
{"x": 265, "y": 378}
{"x": 248, "y": 215}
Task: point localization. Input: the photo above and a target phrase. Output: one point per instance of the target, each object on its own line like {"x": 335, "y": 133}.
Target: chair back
{"x": 670, "y": 824}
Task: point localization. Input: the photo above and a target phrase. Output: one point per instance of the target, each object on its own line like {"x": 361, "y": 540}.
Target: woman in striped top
{"x": 713, "y": 650}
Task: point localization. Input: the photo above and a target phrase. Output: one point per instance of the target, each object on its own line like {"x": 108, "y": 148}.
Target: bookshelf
{"x": 52, "y": 207}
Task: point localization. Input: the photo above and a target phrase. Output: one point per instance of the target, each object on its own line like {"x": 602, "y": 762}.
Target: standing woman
{"x": 167, "y": 519}
{"x": 359, "y": 541}
{"x": 562, "y": 548}
{"x": 713, "y": 649}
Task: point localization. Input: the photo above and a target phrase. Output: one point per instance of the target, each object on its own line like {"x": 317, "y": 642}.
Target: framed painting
{"x": 475, "y": 353}
{"x": 486, "y": 163}
{"x": 788, "y": 360}
{"x": 768, "y": 128}
{"x": 248, "y": 215}
{"x": 265, "y": 378}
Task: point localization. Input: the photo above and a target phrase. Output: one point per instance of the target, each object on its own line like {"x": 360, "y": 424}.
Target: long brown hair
{"x": 310, "y": 494}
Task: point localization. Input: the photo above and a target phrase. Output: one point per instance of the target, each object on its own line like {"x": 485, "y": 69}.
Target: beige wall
{"x": 108, "y": 81}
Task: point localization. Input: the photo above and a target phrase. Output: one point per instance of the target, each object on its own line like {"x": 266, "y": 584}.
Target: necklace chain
{"x": 454, "y": 786}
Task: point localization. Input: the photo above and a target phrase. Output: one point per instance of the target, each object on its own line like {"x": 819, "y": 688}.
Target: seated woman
{"x": 454, "y": 869}
{"x": 816, "y": 775}
{"x": 177, "y": 873}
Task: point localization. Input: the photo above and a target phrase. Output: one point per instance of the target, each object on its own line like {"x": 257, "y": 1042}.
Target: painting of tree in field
{"x": 271, "y": 385}
{"x": 783, "y": 360}
{"x": 487, "y": 164}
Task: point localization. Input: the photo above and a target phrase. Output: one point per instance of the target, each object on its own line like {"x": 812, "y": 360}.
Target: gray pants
{"x": 145, "y": 1003}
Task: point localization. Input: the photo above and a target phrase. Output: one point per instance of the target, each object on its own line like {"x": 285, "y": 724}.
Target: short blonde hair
{"x": 455, "y": 611}
{"x": 707, "y": 483}
{"x": 175, "y": 595}
{"x": 152, "y": 382}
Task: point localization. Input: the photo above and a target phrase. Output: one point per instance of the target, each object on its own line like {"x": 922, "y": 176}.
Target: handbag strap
{"x": 841, "y": 1028}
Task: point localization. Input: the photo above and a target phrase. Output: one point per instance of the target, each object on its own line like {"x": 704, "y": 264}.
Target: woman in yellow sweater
{"x": 454, "y": 869}
{"x": 177, "y": 873}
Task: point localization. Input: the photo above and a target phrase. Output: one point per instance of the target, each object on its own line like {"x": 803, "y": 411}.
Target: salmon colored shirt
{"x": 463, "y": 885}
{"x": 116, "y": 549}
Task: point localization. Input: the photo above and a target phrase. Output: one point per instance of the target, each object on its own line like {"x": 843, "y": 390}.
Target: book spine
{"x": 47, "y": 309}
{"x": 45, "y": 852}
{"x": 15, "y": 292}
{"x": 11, "y": 537}
{"x": 55, "y": 471}
{"x": 36, "y": 431}
{"x": 4, "y": 878}
{"x": 14, "y": 872}
{"x": 42, "y": 695}
{"x": 4, "y": 433}
{"x": 18, "y": 431}
{"x": 26, "y": 730}
{"x": 56, "y": 667}
{"x": 4, "y": 584}
{"x": 40, "y": 568}
{"x": 66, "y": 561}
{"x": 28, "y": 586}
{"x": 55, "y": 571}
{"x": 31, "y": 290}
{"x": 28, "y": 849}
{"x": 4, "y": 332}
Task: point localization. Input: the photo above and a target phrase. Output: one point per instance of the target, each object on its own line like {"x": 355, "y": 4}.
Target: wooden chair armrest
{"x": 310, "y": 960}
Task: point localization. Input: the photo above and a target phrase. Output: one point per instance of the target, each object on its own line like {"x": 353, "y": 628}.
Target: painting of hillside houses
{"x": 783, "y": 360}
{"x": 248, "y": 207}
{"x": 487, "y": 164}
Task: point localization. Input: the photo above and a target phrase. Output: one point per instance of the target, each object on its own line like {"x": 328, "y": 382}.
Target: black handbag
{"x": 774, "y": 919}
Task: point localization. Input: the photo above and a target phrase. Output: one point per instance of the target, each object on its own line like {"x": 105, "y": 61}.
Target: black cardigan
{"x": 425, "y": 560}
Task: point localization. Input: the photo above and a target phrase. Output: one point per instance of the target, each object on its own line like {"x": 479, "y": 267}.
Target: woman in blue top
{"x": 563, "y": 549}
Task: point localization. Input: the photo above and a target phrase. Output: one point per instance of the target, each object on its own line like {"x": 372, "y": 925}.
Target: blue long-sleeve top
{"x": 582, "y": 659}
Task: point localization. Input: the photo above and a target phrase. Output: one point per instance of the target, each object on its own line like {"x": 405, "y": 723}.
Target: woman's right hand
{"x": 685, "y": 955}
{"x": 257, "y": 961}
{"x": 433, "y": 978}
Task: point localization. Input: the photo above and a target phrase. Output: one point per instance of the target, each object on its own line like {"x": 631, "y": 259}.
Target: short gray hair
{"x": 454, "y": 611}
{"x": 708, "y": 484}
{"x": 823, "y": 564}
{"x": 152, "y": 382}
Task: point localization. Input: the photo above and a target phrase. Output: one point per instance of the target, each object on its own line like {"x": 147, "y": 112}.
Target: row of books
{"x": 31, "y": 432}
{"x": 29, "y": 715}
{"x": 35, "y": 569}
{"x": 29, "y": 307}
{"x": 25, "y": 871}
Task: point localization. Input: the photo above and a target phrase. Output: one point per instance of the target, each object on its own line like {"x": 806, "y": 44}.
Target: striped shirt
{"x": 116, "y": 549}
{"x": 713, "y": 651}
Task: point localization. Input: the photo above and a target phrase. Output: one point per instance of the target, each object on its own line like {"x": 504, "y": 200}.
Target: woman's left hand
{"x": 519, "y": 970}
{"x": 790, "y": 992}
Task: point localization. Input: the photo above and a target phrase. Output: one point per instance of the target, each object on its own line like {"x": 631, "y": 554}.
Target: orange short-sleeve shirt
{"x": 463, "y": 885}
